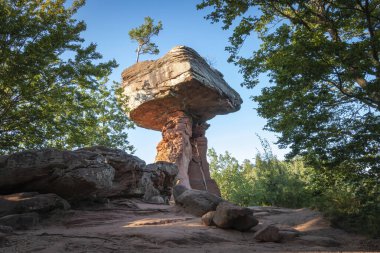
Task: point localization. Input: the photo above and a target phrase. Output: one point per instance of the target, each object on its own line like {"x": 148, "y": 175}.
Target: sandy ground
{"x": 134, "y": 226}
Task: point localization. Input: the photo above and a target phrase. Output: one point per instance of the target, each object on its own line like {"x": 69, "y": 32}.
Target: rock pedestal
{"x": 177, "y": 94}
{"x": 199, "y": 170}
{"x": 175, "y": 146}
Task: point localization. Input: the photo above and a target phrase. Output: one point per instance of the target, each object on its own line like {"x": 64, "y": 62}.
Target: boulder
{"x": 31, "y": 202}
{"x": 20, "y": 221}
{"x": 178, "y": 190}
{"x": 128, "y": 170}
{"x": 158, "y": 181}
{"x": 84, "y": 174}
{"x": 207, "y": 218}
{"x": 268, "y": 233}
{"x": 71, "y": 175}
{"x": 196, "y": 202}
{"x": 228, "y": 215}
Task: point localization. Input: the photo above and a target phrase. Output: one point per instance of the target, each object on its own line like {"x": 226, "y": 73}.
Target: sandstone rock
{"x": 6, "y": 229}
{"x": 178, "y": 190}
{"x": 177, "y": 94}
{"x": 268, "y": 233}
{"x": 175, "y": 146}
{"x": 320, "y": 241}
{"x": 207, "y": 218}
{"x": 197, "y": 202}
{"x": 20, "y": 221}
{"x": 129, "y": 170}
{"x": 179, "y": 81}
{"x": 31, "y": 202}
{"x": 228, "y": 215}
{"x": 199, "y": 170}
{"x": 3, "y": 239}
{"x": 287, "y": 235}
{"x": 157, "y": 182}
{"x": 71, "y": 175}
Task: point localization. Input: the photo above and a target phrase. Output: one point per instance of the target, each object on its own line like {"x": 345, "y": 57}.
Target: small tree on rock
{"x": 143, "y": 34}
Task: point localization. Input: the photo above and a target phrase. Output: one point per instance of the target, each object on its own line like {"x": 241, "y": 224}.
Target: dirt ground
{"x": 134, "y": 226}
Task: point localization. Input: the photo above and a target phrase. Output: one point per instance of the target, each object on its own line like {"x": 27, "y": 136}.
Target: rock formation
{"x": 85, "y": 174}
{"x": 177, "y": 94}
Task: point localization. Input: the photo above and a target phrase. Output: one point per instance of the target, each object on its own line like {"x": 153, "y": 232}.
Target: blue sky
{"x": 108, "y": 23}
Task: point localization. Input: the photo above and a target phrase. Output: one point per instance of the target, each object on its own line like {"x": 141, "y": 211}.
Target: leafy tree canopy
{"x": 322, "y": 58}
{"x": 53, "y": 89}
{"x": 143, "y": 34}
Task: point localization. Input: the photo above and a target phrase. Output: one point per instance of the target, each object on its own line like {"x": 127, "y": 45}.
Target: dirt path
{"x": 132, "y": 226}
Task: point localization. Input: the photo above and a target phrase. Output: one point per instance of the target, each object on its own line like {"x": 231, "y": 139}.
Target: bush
{"x": 350, "y": 200}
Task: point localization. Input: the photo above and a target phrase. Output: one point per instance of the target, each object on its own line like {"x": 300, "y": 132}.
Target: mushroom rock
{"x": 176, "y": 95}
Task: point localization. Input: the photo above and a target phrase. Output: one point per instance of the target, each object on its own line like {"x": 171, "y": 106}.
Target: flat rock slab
{"x": 179, "y": 81}
{"x": 150, "y": 229}
{"x": 31, "y": 202}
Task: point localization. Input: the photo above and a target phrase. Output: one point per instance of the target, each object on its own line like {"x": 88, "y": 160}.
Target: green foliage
{"x": 53, "y": 89}
{"x": 350, "y": 203}
{"x": 143, "y": 34}
{"x": 322, "y": 58}
{"x": 267, "y": 182}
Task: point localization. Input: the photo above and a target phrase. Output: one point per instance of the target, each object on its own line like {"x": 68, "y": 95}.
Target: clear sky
{"x": 108, "y": 23}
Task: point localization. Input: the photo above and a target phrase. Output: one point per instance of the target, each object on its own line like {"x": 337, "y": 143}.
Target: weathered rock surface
{"x": 20, "y": 221}
{"x": 319, "y": 240}
{"x": 179, "y": 81}
{"x": 142, "y": 227}
{"x": 85, "y": 174}
{"x": 72, "y": 175}
{"x": 228, "y": 215}
{"x": 175, "y": 145}
{"x": 196, "y": 202}
{"x": 177, "y": 94}
{"x": 31, "y": 202}
{"x": 268, "y": 233}
{"x": 207, "y": 218}
{"x": 158, "y": 181}
{"x": 199, "y": 169}
{"x": 128, "y": 168}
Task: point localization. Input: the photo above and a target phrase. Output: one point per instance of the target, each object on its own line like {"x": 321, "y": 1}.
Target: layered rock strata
{"x": 177, "y": 94}
{"x": 86, "y": 174}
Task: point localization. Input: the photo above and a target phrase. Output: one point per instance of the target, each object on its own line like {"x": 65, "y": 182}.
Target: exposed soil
{"x": 134, "y": 226}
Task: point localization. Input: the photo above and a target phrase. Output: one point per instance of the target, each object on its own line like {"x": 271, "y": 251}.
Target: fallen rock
{"x": 288, "y": 235}
{"x": 158, "y": 181}
{"x": 178, "y": 190}
{"x": 69, "y": 174}
{"x": 228, "y": 215}
{"x": 268, "y": 233}
{"x": 20, "y": 221}
{"x": 31, "y": 202}
{"x": 207, "y": 218}
{"x": 196, "y": 202}
{"x": 320, "y": 240}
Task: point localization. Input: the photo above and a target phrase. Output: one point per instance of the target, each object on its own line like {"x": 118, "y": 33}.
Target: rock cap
{"x": 179, "y": 81}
